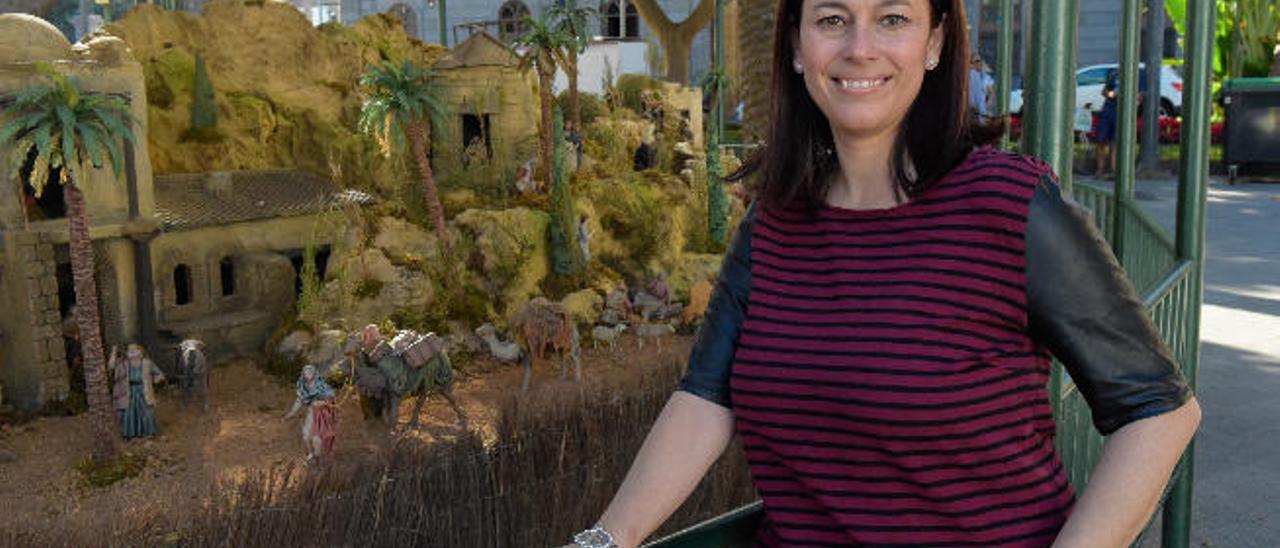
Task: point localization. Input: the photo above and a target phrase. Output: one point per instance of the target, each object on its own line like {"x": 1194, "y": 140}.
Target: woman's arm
{"x": 1082, "y": 307}
{"x": 1128, "y": 479}
{"x": 688, "y": 437}
{"x": 696, "y": 424}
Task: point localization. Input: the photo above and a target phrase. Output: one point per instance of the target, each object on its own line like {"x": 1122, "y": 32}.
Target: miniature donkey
{"x": 193, "y": 371}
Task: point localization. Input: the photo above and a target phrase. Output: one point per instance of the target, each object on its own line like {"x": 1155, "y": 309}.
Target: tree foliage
{"x": 66, "y": 127}
{"x": 398, "y": 96}
{"x": 563, "y": 233}
{"x": 204, "y": 112}
{"x": 1245, "y": 35}
{"x": 717, "y": 202}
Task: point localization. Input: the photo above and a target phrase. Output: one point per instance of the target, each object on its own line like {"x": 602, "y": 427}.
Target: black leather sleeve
{"x": 712, "y": 356}
{"x": 1082, "y": 308}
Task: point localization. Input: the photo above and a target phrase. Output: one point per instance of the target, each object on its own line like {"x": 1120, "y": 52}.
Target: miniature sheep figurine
{"x": 653, "y": 331}
{"x": 506, "y": 352}
{"x": 607, "y": 334}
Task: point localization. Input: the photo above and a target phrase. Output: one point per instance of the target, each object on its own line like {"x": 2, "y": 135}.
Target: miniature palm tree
{"x": 545, "y": 51}
{"x": 402, "y": 100}
{"x": 571, "y": 19}
{"x": 68, "y": 128}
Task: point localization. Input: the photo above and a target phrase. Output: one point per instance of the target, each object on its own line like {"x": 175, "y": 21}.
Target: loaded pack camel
{"x": 541, "y": 326}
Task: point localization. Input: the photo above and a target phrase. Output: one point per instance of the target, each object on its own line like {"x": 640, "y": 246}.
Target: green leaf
{"x": 91, "y": 143}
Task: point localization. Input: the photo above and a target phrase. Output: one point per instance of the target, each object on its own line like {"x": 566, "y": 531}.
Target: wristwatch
{"x": 595, "y": 537}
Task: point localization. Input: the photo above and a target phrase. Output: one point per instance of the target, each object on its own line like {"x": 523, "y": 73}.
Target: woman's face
{"x": 864, "y": 60}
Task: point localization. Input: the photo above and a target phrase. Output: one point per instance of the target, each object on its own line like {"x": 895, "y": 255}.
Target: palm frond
{"x": 397, "y": 95}
{"x": 92, "y": 144}
{"x": 65, "y": 125}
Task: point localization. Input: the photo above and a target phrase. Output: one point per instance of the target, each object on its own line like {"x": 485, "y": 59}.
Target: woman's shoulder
{"x": 995, "y": 165}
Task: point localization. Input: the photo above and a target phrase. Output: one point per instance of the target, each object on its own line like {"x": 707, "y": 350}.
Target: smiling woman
{"x": 880, "y": 335}
{"x": 889, "y": 75}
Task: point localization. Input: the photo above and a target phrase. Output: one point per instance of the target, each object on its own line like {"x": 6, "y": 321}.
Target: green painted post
{"x": 1192, "y": 191}
{"x": 1127, "y": 133}
{"x": 719, "y": 66}
{"x": 1004, "y": 64}
{"x": 1051, "y": 88}
{"x": 1048, "y": 101}
{"x": 444, "y": 23}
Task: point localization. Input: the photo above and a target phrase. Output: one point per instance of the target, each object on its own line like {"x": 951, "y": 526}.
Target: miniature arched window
{"x": 511, "y": 23}
{"x": 227, "y": 272}
{"x": 182, "y": 284}
{"x": 611, "y": 20}
{"x": 408, "y": 18}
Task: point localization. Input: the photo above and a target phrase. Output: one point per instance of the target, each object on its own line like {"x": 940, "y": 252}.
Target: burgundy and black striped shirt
{"x": 884, "y": 385}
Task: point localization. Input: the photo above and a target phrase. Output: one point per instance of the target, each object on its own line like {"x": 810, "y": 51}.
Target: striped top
{"x": 885, "y": 386}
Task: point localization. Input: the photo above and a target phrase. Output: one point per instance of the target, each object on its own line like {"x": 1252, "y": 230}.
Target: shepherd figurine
{"x": 321, "y": 423}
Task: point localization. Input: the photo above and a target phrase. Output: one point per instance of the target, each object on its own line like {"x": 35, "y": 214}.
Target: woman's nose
{"x": 859, "y": 42}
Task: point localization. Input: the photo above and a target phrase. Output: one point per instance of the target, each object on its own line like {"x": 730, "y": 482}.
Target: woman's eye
{"x": 893, "y": 21}
{"x": 831, "y": 21}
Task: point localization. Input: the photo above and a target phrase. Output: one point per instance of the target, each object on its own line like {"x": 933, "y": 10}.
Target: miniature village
{"x": 419, "y": 261}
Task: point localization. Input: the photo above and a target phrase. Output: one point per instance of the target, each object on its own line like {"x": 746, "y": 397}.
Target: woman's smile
{"x": 861, "y": 86}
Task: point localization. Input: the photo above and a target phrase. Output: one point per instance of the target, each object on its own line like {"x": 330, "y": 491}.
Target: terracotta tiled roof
{"x": 191, "y": 201}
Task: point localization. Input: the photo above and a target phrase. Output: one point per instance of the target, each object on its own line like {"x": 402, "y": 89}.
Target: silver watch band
{"x": 595, "y": 537}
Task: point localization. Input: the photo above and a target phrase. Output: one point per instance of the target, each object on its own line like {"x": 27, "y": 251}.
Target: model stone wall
{"x": 34, "y": 368}
{"x": 235, "y": 325}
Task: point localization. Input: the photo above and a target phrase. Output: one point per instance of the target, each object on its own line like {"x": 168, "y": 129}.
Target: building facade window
{"x": 408, "y": 18}
{"x": 477, "y": 141}
{"x": 611, "y": 20}
{"x": 227, "y": 272}
{"x": 511, "y": 22}
{"x": 182, "y": 284}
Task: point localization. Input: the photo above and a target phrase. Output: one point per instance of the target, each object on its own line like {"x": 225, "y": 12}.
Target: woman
{"x": 135, "y": 379}
{"x": 321, "y": 423}
{"x": 880, "y": 334}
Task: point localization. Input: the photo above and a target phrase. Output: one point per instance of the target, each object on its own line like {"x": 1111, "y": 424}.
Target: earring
{"x": 931, "y": 64}
{"x": 798, "y": 67}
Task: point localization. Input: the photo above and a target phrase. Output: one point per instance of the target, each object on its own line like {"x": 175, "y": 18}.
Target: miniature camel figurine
{"x": 541, "y": 325}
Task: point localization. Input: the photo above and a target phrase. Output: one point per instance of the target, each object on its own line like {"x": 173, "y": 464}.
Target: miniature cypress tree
{"x": 717, "y": 202}
{"x": 204, "y": 112}
{"x": 563, "y": 233}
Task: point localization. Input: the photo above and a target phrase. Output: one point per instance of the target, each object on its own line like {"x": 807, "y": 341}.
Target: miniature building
{"x": 492, "y": 108}
{"x": 212, "y": 256}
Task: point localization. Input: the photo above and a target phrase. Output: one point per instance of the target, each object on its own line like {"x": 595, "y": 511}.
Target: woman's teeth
{"x": 862, "y": 84}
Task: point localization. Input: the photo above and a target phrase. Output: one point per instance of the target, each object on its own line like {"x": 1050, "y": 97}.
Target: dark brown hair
{"x": 797, "y": 159}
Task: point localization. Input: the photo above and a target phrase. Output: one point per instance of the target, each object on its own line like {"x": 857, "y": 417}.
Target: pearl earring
{"x": 931, "y": 64}
{"x": 798, "y": 67}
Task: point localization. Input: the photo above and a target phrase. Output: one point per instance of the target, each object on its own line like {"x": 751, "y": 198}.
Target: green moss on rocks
{"x": 510, "y": 252}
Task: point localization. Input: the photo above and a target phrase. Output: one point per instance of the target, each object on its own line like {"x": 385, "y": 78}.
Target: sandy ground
{"x": 42, "y": 492}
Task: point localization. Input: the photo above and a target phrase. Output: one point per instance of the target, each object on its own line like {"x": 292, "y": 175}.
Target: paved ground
{"x": 1237, "y": 482}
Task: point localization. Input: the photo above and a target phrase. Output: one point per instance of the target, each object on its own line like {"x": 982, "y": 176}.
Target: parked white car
{"x": 1091, "y": 79}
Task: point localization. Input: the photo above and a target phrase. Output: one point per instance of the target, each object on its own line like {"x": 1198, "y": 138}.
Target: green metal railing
{"x": 1166, "y": 269}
